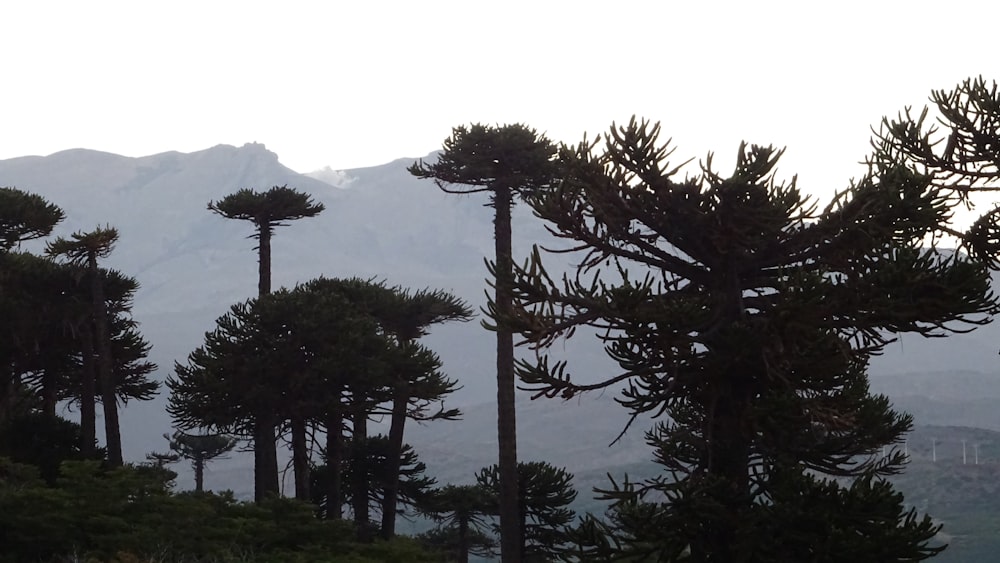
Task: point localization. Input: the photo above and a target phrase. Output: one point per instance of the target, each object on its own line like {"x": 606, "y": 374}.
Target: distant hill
{"x": 193, "y": 265}
{"x": 381, "y": 222}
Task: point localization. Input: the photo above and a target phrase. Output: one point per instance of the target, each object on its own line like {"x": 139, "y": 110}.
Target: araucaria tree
{"x": 546, "y": 492}
{"x": 266, "y": 210}
{"x": 416, "y": 381}
{"x": 199, "y": 449}
{"x": 85, "y": 249}
{"x": 505, "y": 162}
{"x": 744, "y": 314}
{"x": 25, "y": 216}
{"x": 461, "y": 512}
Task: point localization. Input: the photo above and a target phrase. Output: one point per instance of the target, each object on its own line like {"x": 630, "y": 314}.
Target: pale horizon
{"x": 356, "y": 86}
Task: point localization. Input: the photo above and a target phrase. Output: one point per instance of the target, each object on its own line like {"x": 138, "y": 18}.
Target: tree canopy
{"x": 744, "y": 314}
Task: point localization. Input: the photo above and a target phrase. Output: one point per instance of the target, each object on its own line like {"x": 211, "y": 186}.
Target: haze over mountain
{"x": 379, "y": 221}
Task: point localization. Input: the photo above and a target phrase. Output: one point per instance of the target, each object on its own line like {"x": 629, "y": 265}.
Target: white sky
{"x": 321, "y": 83}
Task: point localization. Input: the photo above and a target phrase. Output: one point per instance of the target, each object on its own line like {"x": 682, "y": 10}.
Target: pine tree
{"x": 462, "y": 513}
{"x": 266, "y": 210}
{"x": 407, "y": 477}
{"x": 299, "y": 355}
{"x": 505, "y": 162}
{"x": 546, "y": 492}
{"x": 417, "y": 382}
{"x": 200, "y": 449}
{"x": 86, "y": 248}
{"x": 25, "y": 216}
{"x": 745, "y": 315}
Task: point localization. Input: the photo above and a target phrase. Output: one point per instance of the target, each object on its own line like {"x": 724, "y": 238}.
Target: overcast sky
{"x": 321, "y": 83}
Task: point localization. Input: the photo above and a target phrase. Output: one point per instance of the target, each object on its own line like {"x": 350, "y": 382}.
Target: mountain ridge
{"x": 192, "y": 264}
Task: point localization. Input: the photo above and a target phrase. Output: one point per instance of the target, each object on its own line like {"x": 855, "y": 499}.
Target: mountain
{"x": 192, "y": 264}
{"x": 382, "y": 222}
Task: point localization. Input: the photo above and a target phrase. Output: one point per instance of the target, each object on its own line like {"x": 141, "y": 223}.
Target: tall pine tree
{"x": 266, "y": 210}
{"x": 745, "y": 314}
{"x": 506, "y": 162}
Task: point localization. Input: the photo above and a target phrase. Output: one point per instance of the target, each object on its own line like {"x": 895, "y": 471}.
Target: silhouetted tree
{"x": 162, "y": 459}
{"x": 462, "y": 512}
{"x": 85, "y": 248}
{"x": 200, "y": 449}
{"x": 296, "y": 355}
{"x": 412, "y": 484}
{"x": 414, "y": 381}
{"x": 25, "y": 216}
{"x": 44, "y": 441}
{"x": 129, "y": 350}
{"x": 960, "y": 153}
{"x": 745, "y": 314}
{"x": 546, "y": 493}
{"x": 506, "y": 162}
{"x": 266, "y": 210}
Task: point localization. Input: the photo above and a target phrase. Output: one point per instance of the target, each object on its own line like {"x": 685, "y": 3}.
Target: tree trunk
{"x": 727, "y": 433}
{"x": 264, "y": 260}
{"x": 7, "y": 393}
{"x": 463, "y": 540}
{"x": 265, "y": 449}
{"x": 719, "y": 539}
{"x": 359, "y": 470}
{"x": 88, "y": 390}
{"x": 50, "y": 386}
{"x": 300, "y": 458}
{"x": 510, "y": 534}
{"x": 334, "y": 461}
{"x": 199, "y": 475}
{"x": 398, "y": 421}
{"x": 105, "y": 366}
{"x": 265, "y": 458}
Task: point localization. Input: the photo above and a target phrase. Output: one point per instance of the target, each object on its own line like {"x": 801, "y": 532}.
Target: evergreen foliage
{"x": 741, "y": 313}
{"x": 744, "y": 314}
{"x": 506, "y": 162}
{"x": 35, "y": 438}
{"x": 545, "y": 493}
{"x": 25, "y": 216}
{"x": 199, "y": 449}
{"x": 412, "y": 484}
{"x": 129, "y": 514}
{"x": 85, "y": 248}
{"x": 462, "y": 513}
{"x": 267, "y": 210}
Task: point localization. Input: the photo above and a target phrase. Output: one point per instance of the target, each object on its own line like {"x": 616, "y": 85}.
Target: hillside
{"x": 381, "y": 222}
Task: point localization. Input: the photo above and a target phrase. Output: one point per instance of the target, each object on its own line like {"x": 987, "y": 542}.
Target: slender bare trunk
{"x": 334, "y": 461}
{"x": 265, "y": 458}
{"x": 264, "y": 260}
{"x": 265, "y": 448}
{"x": 510, "y": 533}
{"x": 359, "y": 470}
{"x": 50, "y": 386}
{"x": 199, "y": 475}
{"x": 463, "y": 540}
{"x": 88, "y": 389}
{"x": 396, "y": 426}
{"x": 105, "y": 367}
{"x": 7, "y": 388}
{"x": 300, "y": 458}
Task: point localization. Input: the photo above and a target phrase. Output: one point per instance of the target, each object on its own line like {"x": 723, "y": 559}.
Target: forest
{"x": 741, "y": 314}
